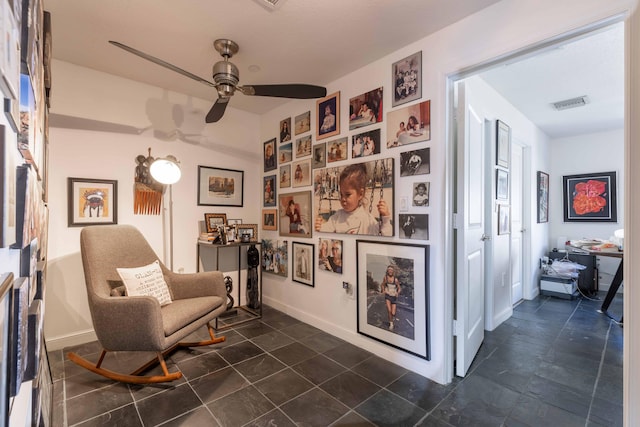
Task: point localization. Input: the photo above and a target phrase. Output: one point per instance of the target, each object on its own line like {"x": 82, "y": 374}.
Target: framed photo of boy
{"x": 328, "y": 116}
{"x": 270, "y": 155}
{"x": 590, "y": 197}
{"x": 407, "y": 79}
{"x": 302, "y": 263}
{"x": 391, "y": 275}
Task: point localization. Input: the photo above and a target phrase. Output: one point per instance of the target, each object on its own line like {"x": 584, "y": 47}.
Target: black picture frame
{"x": 409, "y": 331}
{"x": 220, "y": 187}
{"x": 92, "y": 202}
{"x": 542, "y": 179}
{"x": 590, "y": 197}
{"x": 303, "y": 263}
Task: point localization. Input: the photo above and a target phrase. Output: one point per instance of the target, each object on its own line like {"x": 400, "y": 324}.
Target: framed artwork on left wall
{"x": 92, "y": 202}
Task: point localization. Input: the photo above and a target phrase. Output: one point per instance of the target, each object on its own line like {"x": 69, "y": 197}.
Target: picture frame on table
{"x": 220, "y": 187}
{"x": 406, "y": 79}
{"x": 91, "y": 202}
{"x": 269, "y": 219}
{"x": 302, "y": 123}
{"x": 503, "y": 144}
{"x": 294, "y": 212}
{"x": 250, "y": 229}
{"x": 215, "y": 220}
{"x": 303, "y": 263}
{"x": 400, "y": 273}
{"x": 409, "y": 125}
{"x": 543, "y": 196}
{"x": 590, "y": 197}
{"x": 502, "y": 184}
{"x": 328, "y": 116}
{"x": 365, "y": 109}
{"x": 233, "y": 222}
{"x": 504, "y": 219}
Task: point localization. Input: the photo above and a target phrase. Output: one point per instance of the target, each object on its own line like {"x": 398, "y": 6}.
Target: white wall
{"x": 505, "y": 27}
{"x": 233, "y": 143}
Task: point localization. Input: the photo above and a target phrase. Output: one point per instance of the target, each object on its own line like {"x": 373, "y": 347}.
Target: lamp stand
{"x": 171, "y": 226}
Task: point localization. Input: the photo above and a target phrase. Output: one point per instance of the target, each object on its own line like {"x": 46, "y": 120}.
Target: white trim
{"x": 71, "y": 340}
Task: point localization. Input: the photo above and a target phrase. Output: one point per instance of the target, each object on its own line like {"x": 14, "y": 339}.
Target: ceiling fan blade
{"x": 217, "y": 111}
{"x": 161, "y": 63}
{"x": 299, "y": 91}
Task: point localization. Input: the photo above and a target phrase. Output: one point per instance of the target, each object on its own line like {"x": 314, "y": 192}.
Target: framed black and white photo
{"x": 503, "y": 144}
{"x": 502, "y": 184}
{"x": 92, "y": 202}
{"x": 413, "y": 226}
{"x": 406, "y": 76}
{"x": 220, "y": 187}
{"x": 393, "y": 294}
{"x": 302, "y": 263}
{"x": 420, "y": 194}
{"x": 415, "y": 162}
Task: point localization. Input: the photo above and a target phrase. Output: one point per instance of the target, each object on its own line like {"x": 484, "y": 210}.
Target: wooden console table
{"x": 208, "y": 259}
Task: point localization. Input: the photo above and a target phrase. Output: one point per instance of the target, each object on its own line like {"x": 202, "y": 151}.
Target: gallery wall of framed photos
{"x": 25, "y": 85}
{"x": 357, "y": 164}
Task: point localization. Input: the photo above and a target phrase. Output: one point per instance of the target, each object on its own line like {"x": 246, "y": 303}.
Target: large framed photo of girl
{"x": 393, "y": 295}
{"x": 407, "y": 79}
{"x": 367, "y": 198}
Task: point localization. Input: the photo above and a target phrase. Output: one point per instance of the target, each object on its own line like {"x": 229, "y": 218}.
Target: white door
{"x": 517, "y": 223}
{"x": 470, "y": 231}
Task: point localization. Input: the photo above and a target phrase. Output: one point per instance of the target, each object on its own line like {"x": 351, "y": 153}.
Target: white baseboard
{"x": 59, "y": 343}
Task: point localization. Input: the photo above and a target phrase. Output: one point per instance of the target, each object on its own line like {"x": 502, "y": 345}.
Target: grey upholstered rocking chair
{"x": 140, "y": 323}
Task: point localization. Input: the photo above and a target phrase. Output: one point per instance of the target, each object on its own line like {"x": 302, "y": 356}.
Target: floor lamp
{"x": 166, "y": 170}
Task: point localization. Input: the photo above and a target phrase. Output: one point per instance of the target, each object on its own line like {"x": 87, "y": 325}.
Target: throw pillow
{"x": 147, "y": 280}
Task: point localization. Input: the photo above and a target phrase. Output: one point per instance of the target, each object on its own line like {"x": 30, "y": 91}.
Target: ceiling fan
{"x": 226, "y": 77}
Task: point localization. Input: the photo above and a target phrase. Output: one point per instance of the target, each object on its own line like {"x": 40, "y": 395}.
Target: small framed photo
{"x": 504, "y": 219}
{"x": 409, "y": 125}
{"x": 302, "y": 173}
{"x": 543, "y": 197}
{"x": 414, "y": 226}
{"x": 215, "y": 220}
{"x": 393, "y": 294}
{"x": 406, "y": 76}
{"x": 337, "y": 149}
{"x": 285, "y": 130}
{"x": 303, "y": 123}
{"x": 234, "y": 222}
{"x": 330, "y": 255}
{"x": 365, "y": 144}
{"x": 92, "y": 202}
{"x": 328, "y": 116}
{"x": 220, "y": 187}
{"x": 420, "y": 194}
{"x": 319, "y": 159}
{"x": 415, "y": 162}
{"x": 303, "y": 146}
{"x": 285, "y": 176}
{"x": 590, "y": 197}
{"x": 275, "y": 258}
{"x": 286, "y": 153}
{"x": 270, "y": 155}
{"x": 365, "y": 109}
{"x": 302, "y": 265}
{"x": 502, "y": 184}
{"x": 247, "y": 229}
{"x": 503, "y": 144}
{"x": 269, "y": 186}
{"x": 269, "y": 219}
{"x": 294, "y": 210}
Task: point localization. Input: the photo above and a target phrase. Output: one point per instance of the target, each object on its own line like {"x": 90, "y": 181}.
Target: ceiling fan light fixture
{"x": 270, "y": 5}
{"x": 566, "y": 104}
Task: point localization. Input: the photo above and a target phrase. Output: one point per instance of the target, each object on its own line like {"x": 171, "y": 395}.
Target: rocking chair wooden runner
{"x": 139, "y": 323}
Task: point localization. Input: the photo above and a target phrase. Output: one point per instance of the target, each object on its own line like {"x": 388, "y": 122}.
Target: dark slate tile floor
{"x": 553, "y": 363}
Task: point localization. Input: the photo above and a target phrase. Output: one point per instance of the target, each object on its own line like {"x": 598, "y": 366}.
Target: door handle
{"x": 484, "y": 237}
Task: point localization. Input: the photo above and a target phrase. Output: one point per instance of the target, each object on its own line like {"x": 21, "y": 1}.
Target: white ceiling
{"x": 316, "y": 42}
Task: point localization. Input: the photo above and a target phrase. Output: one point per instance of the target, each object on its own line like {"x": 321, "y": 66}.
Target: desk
{"x": 615, "y": 283}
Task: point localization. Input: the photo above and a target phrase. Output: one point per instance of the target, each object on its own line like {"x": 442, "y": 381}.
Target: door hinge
{"x": 455, "y": 328}
{"x": 455, "y": 221}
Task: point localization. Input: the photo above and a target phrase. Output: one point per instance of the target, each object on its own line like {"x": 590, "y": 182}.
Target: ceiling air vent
{"x": 270, "y": 4}
{"x": 571, "y": 103}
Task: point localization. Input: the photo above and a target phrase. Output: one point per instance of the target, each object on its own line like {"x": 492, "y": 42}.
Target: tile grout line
{"x": 600, "y": 365}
